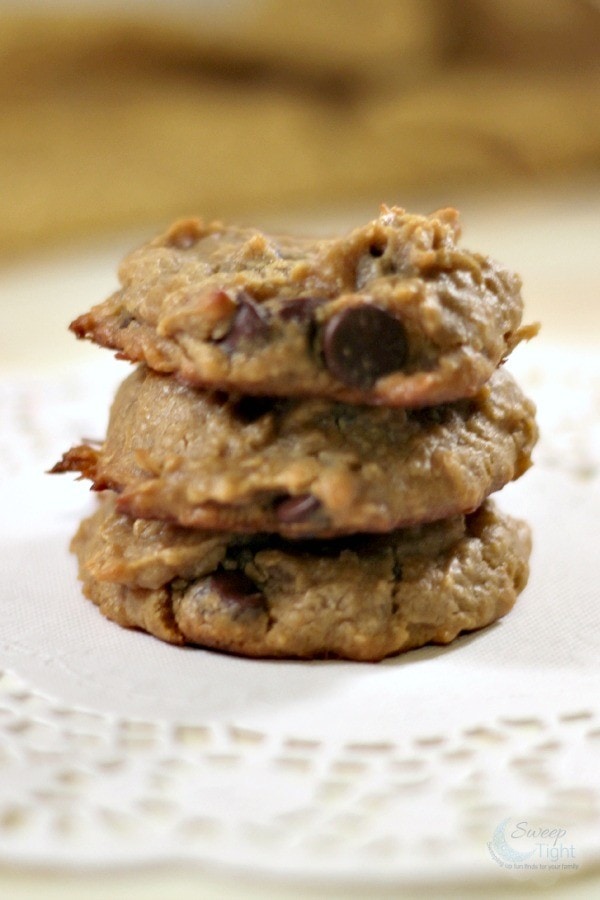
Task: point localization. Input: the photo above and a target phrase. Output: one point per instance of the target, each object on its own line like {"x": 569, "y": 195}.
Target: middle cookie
{"x": 303, "y": 467}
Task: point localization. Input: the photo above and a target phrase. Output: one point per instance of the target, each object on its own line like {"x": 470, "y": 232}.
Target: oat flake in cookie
{"x": 361, "y": 597}
{"x": 301, "y": 467}
{"x": 395, "y": 313}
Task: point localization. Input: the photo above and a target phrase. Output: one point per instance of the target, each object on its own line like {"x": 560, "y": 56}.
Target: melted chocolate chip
{"x": 234, "y": 587}
{"x": 300, "y": 309}
{"x": 249, "y": 323}
{"x": 376, "y": 250}
{"x": 362, "y": 343}
{"x": 292, "y": 510}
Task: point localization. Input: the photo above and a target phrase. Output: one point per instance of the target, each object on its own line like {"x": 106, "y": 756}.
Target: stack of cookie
{"x": 299, "y": 464}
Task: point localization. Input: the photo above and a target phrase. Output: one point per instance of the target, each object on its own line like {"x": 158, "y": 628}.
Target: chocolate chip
{"x": 376, "y": 250}
{"x": 249, "y": 323}
{"x": 300, "y": 309}
{"x": 292, "y": 510}
{"x": 362, "y": 343}
{"x": 236, "y": 588}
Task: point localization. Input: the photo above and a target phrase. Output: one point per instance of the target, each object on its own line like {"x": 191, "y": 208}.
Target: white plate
{"x": 119, "y": 748}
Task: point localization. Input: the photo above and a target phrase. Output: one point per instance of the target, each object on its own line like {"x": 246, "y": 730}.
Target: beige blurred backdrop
{"x": 119, "y": 116}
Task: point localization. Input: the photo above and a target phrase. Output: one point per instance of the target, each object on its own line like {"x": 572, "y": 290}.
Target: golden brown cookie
{"x": 304, "y": 467}
{"x": 361, "y": 597}
{"x": 395, "y": 313}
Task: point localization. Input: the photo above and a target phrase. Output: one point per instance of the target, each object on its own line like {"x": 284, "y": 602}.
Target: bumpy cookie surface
{"x": 305, "y": 466}
{"x": 361, "y": 597}
{"x": 394, "y": 314}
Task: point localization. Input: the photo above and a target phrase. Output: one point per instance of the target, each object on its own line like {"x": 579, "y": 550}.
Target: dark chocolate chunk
{"x": 362, "y": 343}
{"x": 300, "y": 309}
{"x": 297, "y": 509}
{"x": 234, "y": 587}
{"x": 249, "y": 323}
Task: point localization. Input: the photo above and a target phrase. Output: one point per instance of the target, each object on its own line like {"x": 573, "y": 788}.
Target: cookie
{"x": 395, "y": 313}
{"x": 363, "y": 597}
{"x": 302, "y": 467}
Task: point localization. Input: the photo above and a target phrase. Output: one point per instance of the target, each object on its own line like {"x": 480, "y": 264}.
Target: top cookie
{"x": 394, "y": 314}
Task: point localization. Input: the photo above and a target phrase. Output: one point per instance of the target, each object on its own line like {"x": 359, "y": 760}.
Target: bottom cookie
{"x": 362, "y": 597}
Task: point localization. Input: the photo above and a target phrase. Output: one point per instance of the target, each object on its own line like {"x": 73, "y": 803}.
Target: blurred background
{"x": 117, "y": 117}
{"x": 118, "y": 114}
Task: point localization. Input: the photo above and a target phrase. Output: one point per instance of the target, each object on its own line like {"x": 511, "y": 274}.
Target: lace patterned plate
{"x": 456, "y": 763}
